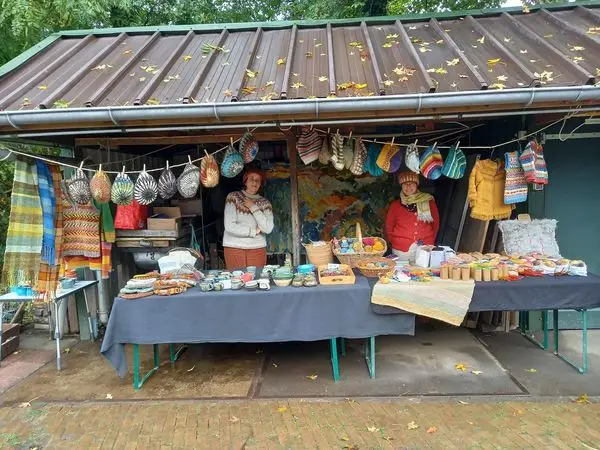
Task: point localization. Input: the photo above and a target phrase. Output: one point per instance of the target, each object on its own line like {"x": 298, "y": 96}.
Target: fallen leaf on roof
{"x": 280, "y": 61}
{"x": 379, "y": 28}
{"x": 312, "y": 377}
{"x": 26, "y": 102}
{"x": 412, "y": 28}
{"x": 251, "y": 74}
{"x": 25, "y": 405}
{"x": 364, "y": 56}
{"x": 474, "y": 46}
{"x": 361, "y": 85}
{"x": 132, "y": 74}
{"x": 576, "y": 48}
{"x": 548, "y": 36}
{"x": 501, "y": 77}
{"x": 386, "y": 45}
{"x": 42, "y": 87}
{"x": 497, "y": 86}
{"x": 344, "y": 438}
{"x": 351, "y": 53}
{"x": 481, "y": 40}
{"x": 323, "y": 78}
{"x": 298, "y": 85}
{"x": 392, "y": 36}
{"x": 187, "y": 58}
{"x": 226, "y": 63}
{"x": 431, "y": 430}
{"x": 401, "y": 71}
{"x": 533, "y": 61}
{"x": 453, "y": 62}
{"x": 526, "y": 9}
{"x": 268, "y": 97}
{"x": 109, "y": 396}
{"x": 62, "y": 104}
{"x": 355, "y": 44}
{"x": 476, "y": 372}
{"x": 593, "y": 30}
{"x": 531, "y": 370}
{"x": 350, "y": 400}
{"x": 388, "y": 82}
{"x": 269, "y": 83}
{"x": 373, "y": 429}
{"x": 523, "y": 51}
{"x": 344, "y": 86}
{"x": 142, "y": 78}
{"x": 387, "y": 438}
{"x": 310, "y": 97}
{"x": 453, "y": 84}
{"x": 518, "y": 412}
{"x": 460, "y": 75}
{"x": 507, "y": 40}
{"x": 318, "y": 44}
{"x": 583, "y": 399}
{"x": 153, "y": 101}
{"x": 322, "y": 54}
{"x": 350, "y": 447}
{"x": 598, "y": 71}
{"x": 309, "y": 54}
{"x": 274, "y": 364}
{"x": 460, "y": 366}
{"x": 234, "y": 419}
{"x": 102, "y": 67}
{"x": 493, "y": 62}
{"x": 462, "y": 402}
{"x": 282, "y": 409}
{"x": 521, "y": 84}
{"x": 412, "y": 425}
{"x": 294, "y": 74}
{"x": 424, "y": 49}
{"x": 577, "y": 59}
{"x": 439, "y": 42}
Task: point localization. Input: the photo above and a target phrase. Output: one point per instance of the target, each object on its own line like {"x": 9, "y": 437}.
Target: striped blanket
{"x": 25, "y": 228}
{"x": 444, "y": 300}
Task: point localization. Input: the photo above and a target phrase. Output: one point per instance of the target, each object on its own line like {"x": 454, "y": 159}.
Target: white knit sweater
{"x": 241, "y": 223}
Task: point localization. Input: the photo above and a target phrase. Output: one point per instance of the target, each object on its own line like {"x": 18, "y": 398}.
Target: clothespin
{"x": 123, "y": 171}
{"x": 189, "y": 159}
{"x": 81, "y": 165}
{"x": 457, "y": 144}
{"x": 311, "y": 126}
{"x": 144, "y": 168}
{"x": 393, "y": 139}
{"x": 350, "y": 135}
{"x": 206, "y": 153}
{"x": 167, "y": 164}
{"x": 434, "y": 145}
{"x": 328, "y": 130}
{"x": 100, "y": 168}
{"x": 231, "y": 141}
{"x": 416, "y": 140}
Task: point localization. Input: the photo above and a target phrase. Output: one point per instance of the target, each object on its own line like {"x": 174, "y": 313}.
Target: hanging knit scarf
{"x": 48, "y": 201}
{"x": 48, "y": 277}
{"x": 82, "y": 230}
{"x": 25, "y": 228}
{"x": 421, "y": 199}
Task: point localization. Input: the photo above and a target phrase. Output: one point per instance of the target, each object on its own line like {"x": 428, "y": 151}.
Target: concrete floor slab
{"x": 542, "y": 373}
{"x": 420, "y": 365}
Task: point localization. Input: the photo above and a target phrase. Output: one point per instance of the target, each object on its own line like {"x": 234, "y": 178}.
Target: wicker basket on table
{"x": 319, "y": 254}
{"x": 376, "y": 272}
{"x": 353, "y": 259}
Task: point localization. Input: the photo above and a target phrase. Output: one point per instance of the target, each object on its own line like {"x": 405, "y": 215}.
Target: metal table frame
{"x": 60, "y": 296}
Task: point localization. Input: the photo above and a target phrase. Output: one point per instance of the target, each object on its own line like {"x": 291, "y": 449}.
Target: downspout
{"x": 525, "y": 97}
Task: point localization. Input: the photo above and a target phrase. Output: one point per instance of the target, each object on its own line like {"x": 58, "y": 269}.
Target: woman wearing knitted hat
{"x": 248, "y": 218}
{"x": 412, "y": 219}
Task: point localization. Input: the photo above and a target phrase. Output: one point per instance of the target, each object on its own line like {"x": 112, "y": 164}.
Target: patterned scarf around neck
{"x": 25, "y": 228}
{"x": 48, "y": 201}
{"x": 421, "y": 199}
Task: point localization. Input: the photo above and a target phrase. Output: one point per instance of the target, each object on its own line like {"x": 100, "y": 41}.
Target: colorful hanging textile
{"x": 25, "y": 228}
{"x": 81, "y": 230}
{"x": 48, "y": 202}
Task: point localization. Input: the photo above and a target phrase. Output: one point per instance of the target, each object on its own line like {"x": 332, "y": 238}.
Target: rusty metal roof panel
{"x": 366, "y": 57}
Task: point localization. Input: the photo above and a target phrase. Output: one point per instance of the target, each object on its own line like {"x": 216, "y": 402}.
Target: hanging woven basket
{"x": 100, "y": 186}
{"x": 167, "y": 183}
{"x": 146, "y": 189}
{"x": 122, "y": 190}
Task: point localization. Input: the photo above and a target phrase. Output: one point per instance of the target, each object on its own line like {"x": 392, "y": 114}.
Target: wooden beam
{"x": 100, "y": 93}
{"x": 141, "y": 98}
{"x": 563, "y": 25}
{"x": 415, "y": 56}
{"x": 288, "y": 62}
{"x": 458, "y": 52}
{"x": 586, "y": 77}
{"x": 502, "y": 49}
{"x": 295, "y": 211}
{"x": 178, "y": 140}
{"x": 201, "y": 75}
{"x": 21, "y": 86}
{"x": 374, "y": 63}
{"x": 248, "y": 63}
{"x": 330, "y": 61}
{"x": 57, "y": 93}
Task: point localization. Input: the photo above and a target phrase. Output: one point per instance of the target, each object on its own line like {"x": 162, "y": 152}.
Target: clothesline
{"x": 234, "y": 141}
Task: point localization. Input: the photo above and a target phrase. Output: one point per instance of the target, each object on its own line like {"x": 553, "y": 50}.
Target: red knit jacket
{"x": 402, "y": 228}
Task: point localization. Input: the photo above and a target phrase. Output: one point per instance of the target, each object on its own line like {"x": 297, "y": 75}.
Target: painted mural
{"x": 331, "y": 203}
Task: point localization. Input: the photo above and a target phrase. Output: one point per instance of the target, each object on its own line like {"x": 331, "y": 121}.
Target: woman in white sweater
{"x": 248, "y": 218}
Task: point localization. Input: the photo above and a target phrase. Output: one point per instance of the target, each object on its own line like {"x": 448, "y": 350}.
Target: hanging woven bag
{"x": 189, "y": 180}
{"x": 146, "y": 189}
{"x": 78, "y": 187}
{"x": 167, "y": 183}
{"x": 325, "y": 153}
{"x": 122, "y": 189}
{"x": 100, "y": 186}
{"x": 248, "y": 147}
{"x": 309, "y": 145}
{"x": 232, "y": 164}
{"x": 209, "y": 171}
{"x": 337, "y": 147}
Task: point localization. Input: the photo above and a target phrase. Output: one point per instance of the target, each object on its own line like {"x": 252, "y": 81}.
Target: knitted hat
{"x": 309, "y": 144}
{"x": 360, "y": 156}
{"x": 408, "y": 177}
{"x": 325, "y": 153}
{"x": 432, "y": 163}
{"x": 337, "y": 147}
{"x": 232, "y": 164}
{"x": 390, "y": 158}
{"x": 371, "y": 166}
{"x": 455, "y": 164}
{"x": 248, "y": 147}
{"x": 515, "y": 187}
{"x": 412, "y": 158}
{"x": 527, "y": 159}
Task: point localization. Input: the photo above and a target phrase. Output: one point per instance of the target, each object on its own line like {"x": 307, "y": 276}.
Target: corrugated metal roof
{"x": 501, "y": 51}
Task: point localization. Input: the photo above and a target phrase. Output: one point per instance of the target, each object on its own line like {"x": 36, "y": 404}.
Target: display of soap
{"x": 354, "y": 245}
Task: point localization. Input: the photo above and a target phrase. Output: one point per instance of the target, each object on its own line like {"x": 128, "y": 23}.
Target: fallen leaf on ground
{"x": 531, "y": 370}
{"x": 193, "y": 367}
{"x": 476, "y": 372}
{"x": 312, "y": 377}
{"x": 462, "y": 402}
{"x": 373, "y": 429}
{"x": 234, "y": 419}
{"x": 67, "y": 350}
{"x": 460, "y": 366}
{"x": 412, "y": 425}
{"x": 109, "y": 396}
{"x": 187, "y": 58}
{"x": 583, "y": 399}
{"x": 282, "y": 409}
{"x": 431, "y": 430}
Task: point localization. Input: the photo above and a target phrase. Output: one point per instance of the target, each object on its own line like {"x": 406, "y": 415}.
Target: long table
{"x": 280, "y": 314}
{"x": 544, "y": 294}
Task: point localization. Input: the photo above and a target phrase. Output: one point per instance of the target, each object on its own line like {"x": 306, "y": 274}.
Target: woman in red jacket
{"x": 411, "y": 219}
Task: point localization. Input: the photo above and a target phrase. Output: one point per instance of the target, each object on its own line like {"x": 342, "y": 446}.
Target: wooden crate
{"x": 348, "y": 279}
{"x": 10, "y": 339}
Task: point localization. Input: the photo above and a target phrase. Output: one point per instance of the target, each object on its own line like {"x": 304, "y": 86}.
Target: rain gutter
{"x": 309, "y": 109}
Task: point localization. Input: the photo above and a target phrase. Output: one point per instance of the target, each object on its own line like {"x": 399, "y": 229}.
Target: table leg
{"x": 343, "y": 346}
{"x": 1, "y": 320}
{"x": 137, "y": 383}
{"x": 334, "y": 360}
{"x": 89, "y": 316}
{"x": 524, "y": 329}
{"x": 584, "y": 356}
{"x": 370, "y": 355}
{"x": 174, "y": 355}
{"x": 57, "y": 336}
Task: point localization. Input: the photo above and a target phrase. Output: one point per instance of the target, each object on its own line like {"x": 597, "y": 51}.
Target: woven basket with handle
{"x": 352, "y": 259}
{"x": 319, "y": 254}
{"x": 376, "y": 272}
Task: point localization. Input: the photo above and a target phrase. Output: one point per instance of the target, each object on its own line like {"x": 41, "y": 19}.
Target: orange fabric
{"x": 240, "y": 258}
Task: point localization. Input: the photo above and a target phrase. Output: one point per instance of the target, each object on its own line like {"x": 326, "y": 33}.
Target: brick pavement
{"x": 297, "y": 424}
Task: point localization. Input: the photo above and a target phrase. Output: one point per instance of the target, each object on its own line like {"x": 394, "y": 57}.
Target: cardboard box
{"x": 171, "y": 224}
{"x": 189, "y": 207}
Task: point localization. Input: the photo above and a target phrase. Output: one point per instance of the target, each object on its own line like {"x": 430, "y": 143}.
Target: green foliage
{"x": 398, "y": 7}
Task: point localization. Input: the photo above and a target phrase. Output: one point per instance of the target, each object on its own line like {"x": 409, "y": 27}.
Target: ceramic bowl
{"x": 251, "y": 285}
{"x": 206, "y": 286}
{"x": 306, "y": 268}
{"x": 237, "y": 273}
{"x": 218, "y": 287}
{"x": 236, "y": 284}
{"x": 282, "y": 282}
